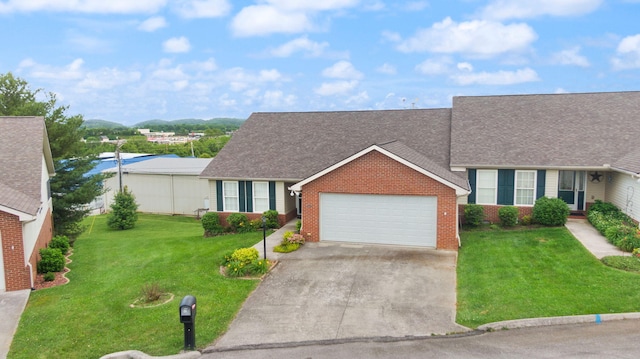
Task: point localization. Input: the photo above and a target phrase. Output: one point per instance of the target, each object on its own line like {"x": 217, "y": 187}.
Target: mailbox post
{"x": 188, "y": 318}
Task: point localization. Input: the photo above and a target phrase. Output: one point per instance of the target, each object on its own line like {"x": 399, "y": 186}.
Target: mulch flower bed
{"x": 60, "y": 279}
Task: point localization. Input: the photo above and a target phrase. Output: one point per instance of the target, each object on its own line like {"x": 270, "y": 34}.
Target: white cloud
{"x": 335, "y": 88}
{"x": 269, "y": 75}
{"x": 152, "y": 24}
{"x": 107, "y": 78}
{"x": 203, "y": 66}
{"x": 202, "y": 8}
{"x": 358, "y": 99}
{"x": 416, "y": 5}
{"x": 437, "y": 66}
{"x": 176, "y": 44}
{"x": 497, "y": 78}
{"x": 570, "y": 57}
{"x": 474, "y": 38}
{"x": 523, "y": 9}
{"x": 627, "y": 53}
{"x": 464, "y": 66}
{"x": 342, "y": 70}
{"x": 84, "y": 6}
{"x": 312, "y": 5}
{"x": 387, "y": 69}
{"x": 72, "y": 71}
{"x": 262, "y": 20}
{"x": 85, "y": 43}
{"x": 277, "y": 98}
{"x": 301, "y": 44}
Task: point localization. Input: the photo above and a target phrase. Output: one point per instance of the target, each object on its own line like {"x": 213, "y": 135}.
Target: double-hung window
{"x": 230, "y": 196}
{"x": 486, "y": 186}
{"x": 260, "y": 197}
{"x": 525, "y": 188}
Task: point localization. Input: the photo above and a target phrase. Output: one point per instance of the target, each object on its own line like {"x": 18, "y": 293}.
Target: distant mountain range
{"x": 144, "y": 124}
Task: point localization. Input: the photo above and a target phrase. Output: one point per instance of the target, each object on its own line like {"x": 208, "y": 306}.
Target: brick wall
{"x": 282, "y": 218}
{"x": 375, "y": 173}
{"x": 15, "y": 272}
{"x": 46, "y": 233}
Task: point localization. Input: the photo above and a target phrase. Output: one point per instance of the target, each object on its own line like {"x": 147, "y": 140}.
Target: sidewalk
{"x": 274, "y": 239}
{"x": 11, "y": 306}
{"x": 591, "y": 239}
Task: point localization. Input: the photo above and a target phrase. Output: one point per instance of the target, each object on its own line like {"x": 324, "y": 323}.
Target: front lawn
{"x": 543, "y": 272}
{"x": 91, "y": 316}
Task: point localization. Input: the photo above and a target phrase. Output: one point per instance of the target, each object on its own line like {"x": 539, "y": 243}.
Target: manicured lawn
{"x": 544, "y": 272}
{"x": 91, "y": 316}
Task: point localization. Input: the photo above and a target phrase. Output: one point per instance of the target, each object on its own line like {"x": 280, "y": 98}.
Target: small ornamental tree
{"x": 123, "y": 213}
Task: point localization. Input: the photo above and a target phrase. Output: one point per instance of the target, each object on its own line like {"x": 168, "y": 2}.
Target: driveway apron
{"x": 328, "y": 291}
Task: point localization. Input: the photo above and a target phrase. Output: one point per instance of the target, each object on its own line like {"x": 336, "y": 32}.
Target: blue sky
{"x": 129, "y": 61}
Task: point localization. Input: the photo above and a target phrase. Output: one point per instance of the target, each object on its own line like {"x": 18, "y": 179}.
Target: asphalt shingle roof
{"x": 629, "y": 162}
{"x": 574, "y": 130}
{"x": 296, "y": 145}
{"x": 22, "y": 142}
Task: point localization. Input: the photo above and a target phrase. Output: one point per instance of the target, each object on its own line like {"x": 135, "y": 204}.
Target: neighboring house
{"x": 165, "y": 185}
{"x": 578, "y": 147}
{"x": 395, "y": 177}
{"x": 364, "y": 176}
{"x": 25, "y": 200}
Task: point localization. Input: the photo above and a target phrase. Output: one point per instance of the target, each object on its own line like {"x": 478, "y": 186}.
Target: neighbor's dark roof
{"x": 23, "y": 141}
{"x": 576, "y": 130}
{"x": 295, "y": 145}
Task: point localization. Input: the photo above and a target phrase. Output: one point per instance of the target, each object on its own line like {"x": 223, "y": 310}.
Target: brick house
{"x": 25, "y": 202}
{"x": 404, "y": 176}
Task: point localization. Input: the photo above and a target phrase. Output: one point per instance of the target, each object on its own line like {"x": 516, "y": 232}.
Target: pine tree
{"x": 123, "y": 213}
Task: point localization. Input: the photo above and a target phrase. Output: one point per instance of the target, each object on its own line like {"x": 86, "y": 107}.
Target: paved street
{"x": 616, "y": 339}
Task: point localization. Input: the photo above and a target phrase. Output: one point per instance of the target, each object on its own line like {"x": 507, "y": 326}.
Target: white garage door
{"x": 381, "y": 219}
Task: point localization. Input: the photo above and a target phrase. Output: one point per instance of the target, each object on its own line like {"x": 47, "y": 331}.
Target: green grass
{"x": 505, "y": 275}
{"x": 629, "y": 264}
{"x": 91, "y": 316}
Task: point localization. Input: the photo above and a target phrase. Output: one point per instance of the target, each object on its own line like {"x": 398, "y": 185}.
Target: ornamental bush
{"x": 473, "y": 214}
{"x": 211, "y": 224}
{"x": 508, "y": 216}
{"x": 51, "y": 260}
{"x": 550, "y": 211}
{"x": 271, "y": 217}
{"x": 245, "y": 255}
{"x": 61, "y": 243}
{"x": 619, "y": 229}
{"x": 239, "y": 223}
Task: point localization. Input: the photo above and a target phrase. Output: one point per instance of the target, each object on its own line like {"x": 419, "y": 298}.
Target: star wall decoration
{"x": 595, "y": 176}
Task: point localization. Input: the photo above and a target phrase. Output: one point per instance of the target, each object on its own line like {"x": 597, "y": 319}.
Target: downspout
{"x": 31, "y": 275}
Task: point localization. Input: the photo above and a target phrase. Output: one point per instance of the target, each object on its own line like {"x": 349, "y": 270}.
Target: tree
{"x": 71, "y": 189}
{"x": 123, "y": 213}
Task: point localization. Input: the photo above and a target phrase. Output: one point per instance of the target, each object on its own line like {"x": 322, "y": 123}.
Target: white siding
{"x": 597, "y": 190}
{"x": 213, "y": 196}
{"x": 463, "y": 200}
{"x": 551, "y": 184}
{"x": 31, "y": 230}
{"x": 624, "y": 192}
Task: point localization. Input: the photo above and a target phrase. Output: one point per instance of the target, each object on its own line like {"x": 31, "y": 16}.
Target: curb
{"x": 541, "y": 322}
{"x": 136, "y": 354}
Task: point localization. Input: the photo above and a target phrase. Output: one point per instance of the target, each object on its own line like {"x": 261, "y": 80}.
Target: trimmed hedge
{"x": 473, "y": 214}
{"x": 211, "y": 224}
{"x": 550, "y": 211}
{"x": 508, "y": 216}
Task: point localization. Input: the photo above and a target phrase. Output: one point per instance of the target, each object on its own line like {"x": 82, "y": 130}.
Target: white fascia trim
{"x": 528, "y": 167}
{"x": 620, "y": 170}
{"x": 23, "y": 217}
{"x": 298, "y": 186}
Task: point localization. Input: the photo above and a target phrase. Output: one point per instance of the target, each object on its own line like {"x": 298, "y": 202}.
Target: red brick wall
{"x": 491, "y": 212}
{"x": 375, "y": 173}
{"x": 16, "y": 274}
{"x": 282, "y": 218}
{"x": 46, "y": 233}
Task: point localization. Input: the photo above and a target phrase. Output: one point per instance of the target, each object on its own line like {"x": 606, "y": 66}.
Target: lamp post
{"x": 264, "y": 236}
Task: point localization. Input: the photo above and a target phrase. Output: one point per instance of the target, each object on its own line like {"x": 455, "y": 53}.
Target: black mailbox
{"x": 188, "y": 309}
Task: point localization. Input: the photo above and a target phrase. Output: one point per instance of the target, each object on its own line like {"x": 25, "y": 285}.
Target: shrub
{"x": 258, "y": 266}
{"x": 271, "y": 217}
{"x": 526, "y": 220}
{"x": 236, "y": 269}
{"x": 245, "y": 255}
{"x": 603, "y": 207}
{"x": 151, "y": 292}
{"x": 296, "y": 238}
{"x": 286, "y": 248}
{"x": 239, "y": 222}
{"x": 287, "y": 235}
{"x": 508, "y": 216}
{"x": 123, "y": 213}
{"x": 550, "y": 211}
{"x": 51, "y": 260}
{"x": 255, "y": 224}
{"x": 616, "y": 226}
{"x": 298, "y": 226}
{"x": 473, "y": 214}
{"x": 49, "y": 277}
{"x": 61, "y": 243}
{"x": 227, "y": 257}
{"x": 211, "y": 224}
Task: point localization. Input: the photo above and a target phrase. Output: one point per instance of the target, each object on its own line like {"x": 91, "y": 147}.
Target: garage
{"x": 379, "y": 219}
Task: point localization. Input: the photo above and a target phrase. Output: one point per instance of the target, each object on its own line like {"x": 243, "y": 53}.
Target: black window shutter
{"x": 249, "y": 187}
{"x": 242, "y": 197}
{"x": 506, "y": 181}
{"x": 541, "y": 179}
{"x": 471, "y": 172}
{"x": 272, "y": 195}
{"x": 219, "y": 204}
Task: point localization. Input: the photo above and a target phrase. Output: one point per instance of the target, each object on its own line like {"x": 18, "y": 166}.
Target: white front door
{"x": 379, "y": 219}
{"x": 571, "y": 188}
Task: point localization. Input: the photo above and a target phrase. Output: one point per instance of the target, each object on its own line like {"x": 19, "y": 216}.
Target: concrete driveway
{"x": 328, "y": 291}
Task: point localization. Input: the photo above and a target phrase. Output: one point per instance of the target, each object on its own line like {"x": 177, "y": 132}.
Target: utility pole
{"x": 119, "y": 159}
